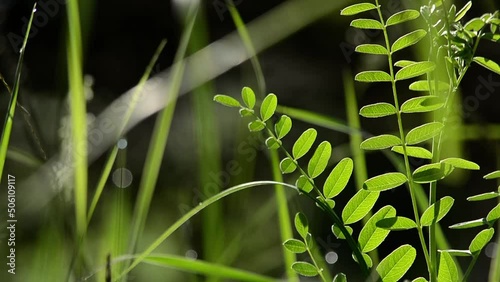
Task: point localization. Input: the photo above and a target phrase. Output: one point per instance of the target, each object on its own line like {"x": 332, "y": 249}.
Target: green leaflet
{"x": 301, "y": 224}
{"x": 422, "y": 104}
{"x": 492, "y": 175}
{"x": 283, "y": 126}
{"x": 440, "y": 207}
{"x": 304, "y": 184}
{"x": 385, "y": 181}
{"x": 480, "y": 241}
{"x": 320, "y": 159}
{"x": 396, "y": 264}
{"x": 304, "y": 143}
{"x": 380, "y": 142}
{"x": 484, "y": 196}
{"x": 227, "y": 101}
{"x": 423, "y": 85}
{"x": 373, "y": 76}
{"x": 408, "y": 40}
{"x": 461, "y": 163}
{"x": 416, "y": 152}
{"x": 357, "y": 8}
{"x": 341, "y": 277}
{"x": 372, "y": 236}
{"x": 288, "y": 165}
{"x": 403, "y": 63}
{"x": 469, "y": 224}
{"x": 366, "y": 257}
{"x": 397, "y": 223}
{"x": 248, "y": 97}
{"x": 256, "y": 125}
{"x": 414, "y": 70}
{"x": 359, "y": 205}
{"x": 432, "y": 172}
{"x": 401, "y": 17}
{"x": 377, "y": 110}
{"x": 457, "y": 253}
{"x": 423, "y": 133}
{"x": 305, "y": 269}
{"x": 494, "y": 214}
{"x": 338, "y": 233}
{"x": 268, "y": 107}
{"x": 460, "y": 14}
{"x": 295, "y": 246}
{"x": 374, "y": 49}
{"x": 338, "y": 178}
{"x": 367, "y": 24}
{"x": 273, "y": 143}
{"x": 488, "y": 64}
{"x": 419, "y": 279}
{"x": 447, "y": 271}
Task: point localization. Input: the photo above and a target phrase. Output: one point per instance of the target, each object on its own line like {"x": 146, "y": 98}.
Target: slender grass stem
{"x": 320, "y": 270}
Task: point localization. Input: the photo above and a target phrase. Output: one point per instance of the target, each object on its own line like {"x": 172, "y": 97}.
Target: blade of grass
{"x": 360, "y": 172}
{"x": 186, "y": 217}
{"x": 159, "y": 140}
{"x": 11, "y": 110}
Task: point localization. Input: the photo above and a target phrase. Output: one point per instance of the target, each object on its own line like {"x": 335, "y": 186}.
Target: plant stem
{"x": 471, "y": 266}
{"x": 405, "y": 155}
{"x": 320, "y": 270}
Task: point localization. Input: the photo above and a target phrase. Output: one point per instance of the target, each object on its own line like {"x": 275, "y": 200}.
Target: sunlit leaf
{"x": 492, "y": 175}
{"x": 419, "y": 279}
{"x": 480, "y": 241}
{"x": 447, "y": 271}
{"x": 374, "y": 49}
{"x": 423, "y": 133}
{"x": 411, "y": 151}
{"x": 283, "y": 126}
{"x": 227, "y": 101}
{"x": 338, "y": 233}
{"x": 288, "y": 165}
{"x": 359, "y": 206}
{"x": 373, "y": 76}
{"x": 377, "y": 110}
{"x": 422, "y": 104}
{"x": 304, "y": 184}
{"x": 244, "y": 112}
{"x": 367, "y": 24}
{"x": 256, "y": 125}
{"x": 408, "y": 40}
{"x": 432, "y": 172}
{"x": 305, "y": 269}
{"x": 341, "y": 277}
{"x": 295, "y": 246}
{"x": 463, "y": 11}
{"x": 301, "y": 224}
{"x": 273, "y": 143}
{"x": 385, "y": 181}
{"x": 415, "y": 70}
{"x": 488, "y": 64}
{"x": 357, "y": 8}
{"x": 396, "y": 264}
{"x": 484, "y": 196}
{"x": 338, "y": 178}
{"x": 457, "y": 253}
{"x": 248, "y": 97}
{"x": 366, "y": 258}
{"x": 469, "y": 224}
{"x": 397, "y": 223}
{"x": 474, "y": 25}
{"x": 436, "y": 211}
{"x": 304, "y": 143}
{"x": 461, "y": 163}
{"x": 372, "y": 236}
{"x": 320, "y": 159}
{"x": 494, "y": 214}
{"x": 403, "y": 63}
{"x": 403, "y": 16}
{"x": 380, "y": 142}
{"x": 423, "y": 85}
{"x": 268, "y": 107}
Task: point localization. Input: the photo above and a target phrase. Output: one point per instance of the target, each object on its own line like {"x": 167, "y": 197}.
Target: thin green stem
{"x": 471, "y": 266}
{"x": 319, "y": 269}
{"x": 405, "y": 155}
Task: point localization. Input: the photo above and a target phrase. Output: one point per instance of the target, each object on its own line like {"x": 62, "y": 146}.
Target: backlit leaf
{"x": 396, "y": 264}
{"x": 304, "y": 184}
{"x": 385, "y": 181}
{"x": 447, "y": 271}
{"x": 338, "y": 178}
{"x": 283, "y": 126}
{"x": 295, "y": 246}
{"x": 480, "y": 241}
{"x": 463, "y": 11}
{"x": 415, "y": 70}
{"x": 380, "y": 142}
{"x": 273, "y": 143}
{"x": 372, "y": 236}
{"x": 256, "y": 125}
{"x": 403, "y": 16}
{"x": 288, "y": 165}
{"x": 338, "y": 233}
{"x": 367, "y": 24}
{"x": 488, "y": 64}
{"x": 268, "y": 107}
{"x": 403, "y": 63}
{"x": 423, "y": 133}
{"x": 437, "y": 211}
{"x": 374, "y": 49}
{"x": 357, "y": 8}
{"x": 416, "y": 152}
{"x": 419, "y": 279}
{"x": 492, "y": 175}
{"x": 397, "y": 223}
{"x": 423, "y": 85}
{"x": 469, "y": 224}
{"x": 227, "y": 101}
{"x": 320, "y": 159}
{"x": 301, "y": 224}
{"x": 340, "y": 278}
{"x": 304, "y": 143}
{"x": 377, "y": 110}
{"x": 359, "y": 205}
{"x": 494, "y": 214}
{"x": 457, "y": 253}
{"x": 461, "y": 163}
{"x": 484, "y": 196}
{"x": 407, "y": 40}
{"x": 432, "y": 172}
{"x": 474, "y": 25}
{"x": 305, "y": 269}
{"x": 422, "y": 104}
{"x": 373, "y": 76}
{"x": 366, "y": 257}
{"x": 248, "y": 97}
